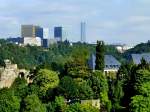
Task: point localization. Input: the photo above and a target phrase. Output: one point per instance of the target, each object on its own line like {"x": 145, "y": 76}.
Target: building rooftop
{"x": 137, "y": 57}
{"x": 110, "y": 62}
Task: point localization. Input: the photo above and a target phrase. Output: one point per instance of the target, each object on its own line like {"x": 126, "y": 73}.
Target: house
{"x": 112, "y": 65}
{"x": 138, "y": 57}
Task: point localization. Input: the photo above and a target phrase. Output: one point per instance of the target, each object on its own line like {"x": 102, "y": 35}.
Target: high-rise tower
{"x": 27, "y": 31}
{"x": 83, "y": 32}
{"x": 58, "y": 33}
{"x": 31, "y": 31}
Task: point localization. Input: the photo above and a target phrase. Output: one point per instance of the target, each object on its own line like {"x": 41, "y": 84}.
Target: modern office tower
{"x": 45, "y": 33}
{"x": 58, "y": 33}
{"x": 27, "y": 31}
{"x": 32, "y": 35}
{"x": 38, "y": 32}
{"x": 83, "y": 32}
{"x": 31, "y": 31}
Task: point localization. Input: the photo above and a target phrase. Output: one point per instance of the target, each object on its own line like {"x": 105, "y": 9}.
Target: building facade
{"x": 32, "y": 41}
{"x": 58, "y": 33}
{"x": 31, "y": 31}
{"x": 46, "y": 33}
{"x": 27, "y": 31}
{"x": 32, "y": 35}
{"x": 17, "y": 40}
{"x": 38, "y": 32}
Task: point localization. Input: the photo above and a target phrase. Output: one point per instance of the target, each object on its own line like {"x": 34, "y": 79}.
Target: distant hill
{"x": 140, "y": 48}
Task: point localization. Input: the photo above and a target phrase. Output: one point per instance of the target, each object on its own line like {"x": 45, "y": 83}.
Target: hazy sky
{"x": 114, "y": 21}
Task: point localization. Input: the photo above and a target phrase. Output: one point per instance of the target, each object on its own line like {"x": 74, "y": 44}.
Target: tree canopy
{"x": 8, "y": 101}
{"x": 45, "y": 80}
{"x": 32, "y": 104}
{"x": 100, "y": 52}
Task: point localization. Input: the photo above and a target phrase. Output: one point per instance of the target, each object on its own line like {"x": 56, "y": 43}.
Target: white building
{"x": 32, "y": 41}
{"x": 45, "y": 33}
{"x": 123, "y": 48}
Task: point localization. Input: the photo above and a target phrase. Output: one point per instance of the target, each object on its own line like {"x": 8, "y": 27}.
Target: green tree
{"x": 32, "y": 104}
{"x": 84, "y": 90}
{"x": 45, "y": 80}
{"x": 124, "y": 72}
{"x": 144, "y": 89}
{"x": 104, "y": 89}
{"x": 76, "y": 68}
{"x": 100, "y": 52}
{"x": 117, "y": 95}
{"x": 87, "y": 107}
{"x": 50, "y": 107}
{"x": 75, "y": 88}
{"x": 75, "y": 107}
{"x": 60, "y": 104}
{"x": 20, "y": 87}
{"x": 2, "y": 63}
{"x": 68, "y": 88}
{"x": 8, "y": 102}
{"x": 125, "y": 75}
{"x": 141, "y": 77}
{"x": 33, "y": 89}
{"x": 98, "y": 83}
{"x": 140, "y": 104}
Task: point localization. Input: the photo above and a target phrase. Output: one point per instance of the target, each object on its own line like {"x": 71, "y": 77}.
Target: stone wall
{"x": 8, "y": 74}
{"x": 7, "y": 77}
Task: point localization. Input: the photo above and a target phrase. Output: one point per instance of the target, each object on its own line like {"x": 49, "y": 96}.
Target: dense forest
{"x": 31, "y": 56}
{"x": 55, "y": 56}
{"x": 61, "y": 78}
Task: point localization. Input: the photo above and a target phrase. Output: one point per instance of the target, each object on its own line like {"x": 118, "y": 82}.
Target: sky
{"x": 114, "y": 21}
